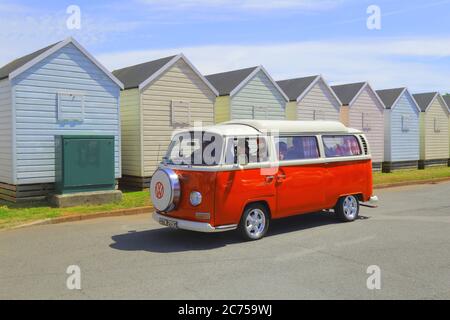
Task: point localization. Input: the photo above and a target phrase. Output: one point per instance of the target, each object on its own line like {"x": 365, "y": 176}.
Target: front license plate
{"x": 168, "y": 223}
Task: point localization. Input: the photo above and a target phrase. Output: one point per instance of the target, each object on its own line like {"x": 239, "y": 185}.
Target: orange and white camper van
{"x": 242, "y": 174}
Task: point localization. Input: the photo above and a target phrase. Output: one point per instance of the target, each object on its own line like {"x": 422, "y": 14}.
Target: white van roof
{"x": 225, "y": 130}
{"x": 257, "y": 127}
{"x": 292, "y": 127}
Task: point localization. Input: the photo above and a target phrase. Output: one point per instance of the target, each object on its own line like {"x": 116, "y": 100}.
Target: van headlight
{"x": 195, "y": 198}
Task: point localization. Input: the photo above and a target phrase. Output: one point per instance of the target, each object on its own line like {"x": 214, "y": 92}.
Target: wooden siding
{"x": 36, "y": 92}
{"x": 344, "y": 115}
{"x": 180, "y": 82}
{"x": 261, "y": 93}
{"x": 318, "y": 99}
{"x": 404, "y": 145}
{"x": 367, "y": 103}
{"x": 422, "y": 135}
{"x": 222, "y": 109}
{"x": 387, "y": 137}
{"x": 291, "y": 110}
{"x": 436, "y": 144}
{"x": 6, "y": 159}
{"x": 131, "y": 132}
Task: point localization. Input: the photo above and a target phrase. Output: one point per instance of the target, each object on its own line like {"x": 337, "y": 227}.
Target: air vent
{"x": 364, "y": 144}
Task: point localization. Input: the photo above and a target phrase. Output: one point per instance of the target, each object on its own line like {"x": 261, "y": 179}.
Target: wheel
{"x": 254, "y": 222}
{"x": 347, "y": 208}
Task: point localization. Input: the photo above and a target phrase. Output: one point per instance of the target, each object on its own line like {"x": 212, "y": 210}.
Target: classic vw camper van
{"x": 242, "y": 174}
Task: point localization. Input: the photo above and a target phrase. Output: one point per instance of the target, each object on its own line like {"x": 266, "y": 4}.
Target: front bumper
{"x": 193, "y": 225}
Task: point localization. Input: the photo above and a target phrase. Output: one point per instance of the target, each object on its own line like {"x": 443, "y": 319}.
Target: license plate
{"x": 168, "y": 223}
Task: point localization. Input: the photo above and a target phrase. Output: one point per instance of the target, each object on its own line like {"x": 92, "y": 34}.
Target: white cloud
{"x": 245, "y": 4}
{"x": 416, "y": 63}
{"x": 24, "y": 29}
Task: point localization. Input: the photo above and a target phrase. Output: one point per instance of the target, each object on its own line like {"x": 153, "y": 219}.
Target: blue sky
{"x": 289, "y": 37}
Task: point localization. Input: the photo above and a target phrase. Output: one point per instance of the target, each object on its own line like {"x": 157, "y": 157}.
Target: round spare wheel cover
{"x": 165, "y": 189}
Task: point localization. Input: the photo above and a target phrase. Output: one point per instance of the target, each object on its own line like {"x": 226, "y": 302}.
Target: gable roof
{"x": 229, "y": 83}
{"x": 424, "y": 100}
{"x": 141, "y": 75}
{"x": 348, "y": 92}
{"x": 296, "y": 87}
{"x": 133, "y": 76}
{"x": 19, "y": 62}
{"x": 225, "y": 82}
{"x": 16, "y": 67}
{"x": 446, "y": 99}
{"x": 390, "y": 97}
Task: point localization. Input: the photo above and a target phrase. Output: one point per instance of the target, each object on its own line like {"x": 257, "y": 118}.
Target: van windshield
{"x": 194, "y": 148}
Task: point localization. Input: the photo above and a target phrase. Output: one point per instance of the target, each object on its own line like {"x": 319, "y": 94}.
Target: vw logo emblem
{"x": 159, "y": 190}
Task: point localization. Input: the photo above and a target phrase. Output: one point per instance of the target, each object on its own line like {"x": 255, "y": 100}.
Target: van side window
{"x": 297, "y": 148}
{"x": 255, "y": 149}
{"x": 341, "y": 146}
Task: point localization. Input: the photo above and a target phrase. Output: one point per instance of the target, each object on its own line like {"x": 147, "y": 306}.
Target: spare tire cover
{"x": 165, "y": 189}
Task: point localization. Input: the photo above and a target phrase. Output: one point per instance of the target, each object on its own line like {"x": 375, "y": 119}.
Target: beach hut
{"x": 447, "y": 101}
{"x": 310, "y": 98}
{"x": 362, "y": 109}
{"x": 160, "y": 96}
{"x": 434, "y": 129}
{"x": 58, "y": 90}
{"x": 402, "y": 133}
{"x": 248, "y": 94}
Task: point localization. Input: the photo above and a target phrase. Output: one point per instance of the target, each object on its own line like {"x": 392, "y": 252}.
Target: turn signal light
{"x": 202, "y": 215}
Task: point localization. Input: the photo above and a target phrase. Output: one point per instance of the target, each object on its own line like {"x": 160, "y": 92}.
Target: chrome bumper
{"x": 193, "y": 225}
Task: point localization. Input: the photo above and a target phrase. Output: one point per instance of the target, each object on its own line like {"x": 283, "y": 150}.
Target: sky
{"x": 290, "y": 38}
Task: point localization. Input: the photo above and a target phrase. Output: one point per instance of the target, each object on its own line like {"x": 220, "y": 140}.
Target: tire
{"x": 347, "y": 208}
{"x": 254, "y": 222}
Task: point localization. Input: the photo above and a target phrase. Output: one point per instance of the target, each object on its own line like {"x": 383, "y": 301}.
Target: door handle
{"x": 281, "y": 177}
{"x": 269, "y": 179}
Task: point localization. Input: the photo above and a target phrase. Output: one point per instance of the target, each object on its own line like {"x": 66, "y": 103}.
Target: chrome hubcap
{"x": 350, "y": 207}
{"x": 255, "y": 223}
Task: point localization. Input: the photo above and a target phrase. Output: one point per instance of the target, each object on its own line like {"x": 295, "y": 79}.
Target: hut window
{"x": 365, "y": 121}
{"x": 318, "y": 115}
{"x": 181, "y": 113}
{"x": 405, "y": 123}
{"x": 70, "y": 107}
{"x": 260, "y": 113}
{"x": 437, "y": 127}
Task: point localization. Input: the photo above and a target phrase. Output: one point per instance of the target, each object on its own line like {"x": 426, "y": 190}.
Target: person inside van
{"x": 282, "y": 150}
{"x": 296, "y": 151}
{"x": 263, "y": 154}
{"x": 242, "y": 150}
{"x": 237, "y": 147}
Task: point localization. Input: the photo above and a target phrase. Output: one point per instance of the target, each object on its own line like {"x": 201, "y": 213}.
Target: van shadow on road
{"x": 165, "y": 240}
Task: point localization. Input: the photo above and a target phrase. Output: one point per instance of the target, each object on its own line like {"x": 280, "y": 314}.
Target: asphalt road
{"x": 306, "y": 257}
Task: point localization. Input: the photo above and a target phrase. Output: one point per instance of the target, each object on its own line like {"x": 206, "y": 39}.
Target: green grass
{"x": 411, "y": 175}
{"x": 12, "y": 214}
